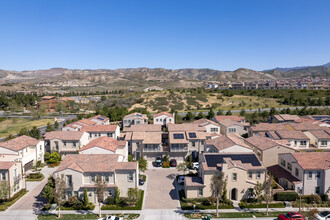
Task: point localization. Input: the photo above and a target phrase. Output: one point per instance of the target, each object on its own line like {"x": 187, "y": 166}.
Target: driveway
{"x": 161, "y": 192}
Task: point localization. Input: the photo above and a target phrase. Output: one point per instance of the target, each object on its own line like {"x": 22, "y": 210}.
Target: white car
{"x": 323, "y": 215}
{"x": 195, "y": 166}
{"x": 110, "y": 218}
{"x": 181, "y": 180}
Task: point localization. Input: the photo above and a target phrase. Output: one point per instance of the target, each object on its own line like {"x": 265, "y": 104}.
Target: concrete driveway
{"x": 161, "y": 192}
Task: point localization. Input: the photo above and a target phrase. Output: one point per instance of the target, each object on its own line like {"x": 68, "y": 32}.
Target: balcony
{"x": 178, "y": 148}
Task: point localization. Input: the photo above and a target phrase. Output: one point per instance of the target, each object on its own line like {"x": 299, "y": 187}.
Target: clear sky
{"x": 223, "y": 35}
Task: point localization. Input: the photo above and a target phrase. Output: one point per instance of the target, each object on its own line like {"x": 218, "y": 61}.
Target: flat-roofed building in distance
{"x": 307, "y": 171}
{"x": 11, "y": 177}
{"x": 134, "y": 119}
{"x": 96, "y": 131}
{"x": 268, "y": 150}
{"x": 80, "y": 172}
{"x": 164, "y": 118}
{"x": 25, "y": 149}
{"x": 65, "y": 142}
{"x": 242, "y": 170}
{"x": 106, "y": 145}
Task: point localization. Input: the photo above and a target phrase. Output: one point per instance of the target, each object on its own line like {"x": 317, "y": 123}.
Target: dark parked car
{"x": 141, "y": 182}
{"x": 158, "y": 162}
{"x": 291, "y": 216}
{"x": 173, "y": 163}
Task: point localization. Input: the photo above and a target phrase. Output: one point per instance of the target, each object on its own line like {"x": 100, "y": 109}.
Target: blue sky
{"x": 224, "y": 35}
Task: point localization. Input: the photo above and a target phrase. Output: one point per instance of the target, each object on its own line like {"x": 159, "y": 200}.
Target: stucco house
{"x": 11, "y": 172}
{"x": 319, "y": 138}
{"x": 307, "y": 171}
{"x": 95, "y": 120}
{"x": 242, "y": 171}
{"x": 297, "y": 139}
{"x": 210, "y": 126}
{"x": 65, "y": 142}
{"x": 225, "y": 144}
{"x": 285, "y": 118}
{"x": 220, "y": 118}
{"x": 229, "y": 126}
{"x": 268, "y": 150}
{"x": 134, "y": 119}
{"x": 96, "y": 131}
{"x": 25, "y": 149}
{"x": 262, "y": 128}
{"x": 80, "y": 171}
{"x": 163, "y": 118}
{"x": 106, "y": 145}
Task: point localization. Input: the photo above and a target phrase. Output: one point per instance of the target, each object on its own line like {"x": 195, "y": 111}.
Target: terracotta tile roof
{"x": 305, "y": 126}
{"x": 6, "y": 165}
{"x": 321, "y": 134}
{"x": 225, "y": 142}
{"x": 287, "y": 117}
{"x": 86, "y": 122}
{"x": 185, "y": 127}
{"x": 163, "y": 113}
{"x": 295, "y": 135}
{"x": 280, "y": 172}
{"x": 95, "y": 163}
{"x": 148, "y": 138}
{"x": 313, "y": 160}
{"x": 107, "y": 143}
{"x": 204, "y": 122}
{"x": 237, "y": 118}
{"x": 193, "y": 181}
{"x": 19, "y": 143}
{"x": 64, "y": 135}
{"x": 126, "y": 136}
{"x": 228, "y": 122}
{"x": 100, "y": 117}
{"x": 143, "y": 128}
{"x": 137, "y": 115}
{"x": 263, "y": 143}
{"x": 268, "y": 127}
{"x": 100, "y": 128}
{"x": 177, "y": 141}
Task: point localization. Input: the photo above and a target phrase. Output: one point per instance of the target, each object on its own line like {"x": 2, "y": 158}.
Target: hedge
{"x": 244, "y": 205}
{"x": 9, "y": 202}
{"x": 286, "y": 196}
{"x": 138, "y": 205}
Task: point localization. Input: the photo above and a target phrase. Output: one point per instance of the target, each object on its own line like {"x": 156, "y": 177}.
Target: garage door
{"x": 28, "y": 166}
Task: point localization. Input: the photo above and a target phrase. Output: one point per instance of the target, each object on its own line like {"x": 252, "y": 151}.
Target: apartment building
{"x": 106, "y": 145}
{"x": 24, "y": 149}
{"x": 164, "y": 118}
{"x": 242, "y": 172}
{"x": 65, "y": 142}
{"x": 96, "y": 131}
{"x": 135, "y": 119}
{"x": 11, "y": 177}
{"x": 80, "y": 172}
{"x": 307, "y": 171}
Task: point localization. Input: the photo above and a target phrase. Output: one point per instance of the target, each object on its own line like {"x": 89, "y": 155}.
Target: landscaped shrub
{"x": 325, "y": 197}
{"x": 166, "y": 164}
{"x": 35, "y": 177}
{"x": 124, "y": 203}
{"x": 286, "y": 196}
{"x": 111, "y": 200}
{"x": 244, "y": 205}
{"x": 312, "y": 199}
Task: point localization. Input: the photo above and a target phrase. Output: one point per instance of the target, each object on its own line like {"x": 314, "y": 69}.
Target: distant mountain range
{"x": 133, "y": 77}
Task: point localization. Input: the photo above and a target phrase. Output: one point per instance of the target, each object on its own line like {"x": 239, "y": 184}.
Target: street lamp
{"x": 300, "y": 191}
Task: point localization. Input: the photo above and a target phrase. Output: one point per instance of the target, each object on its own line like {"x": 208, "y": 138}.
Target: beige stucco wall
{"x": 12, "y": 179}
{"x": 270, "y": 157}
{"x": 163, "y": 120}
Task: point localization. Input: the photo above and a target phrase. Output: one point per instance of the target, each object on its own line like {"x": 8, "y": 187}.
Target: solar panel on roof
{"x": 139, "y": 115}
{"x": 192, "y": 135}
{"x": 178, "y": 136}
{"x": 213, "y": 160}
{"x": 100, "y": 118}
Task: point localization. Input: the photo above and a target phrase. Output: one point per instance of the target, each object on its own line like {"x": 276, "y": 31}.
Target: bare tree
{"x": 217, "y": 186}
{"x": 268, "y": 186}
{"x": 60, "y": 186}
{"x": 100, "y": 187}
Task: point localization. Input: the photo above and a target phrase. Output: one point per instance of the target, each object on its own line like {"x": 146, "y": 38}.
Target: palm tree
{"x": 217, "y": 186}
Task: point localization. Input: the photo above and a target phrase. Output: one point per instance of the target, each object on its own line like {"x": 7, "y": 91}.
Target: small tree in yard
{"x": 99, "y": 190}
{"x": 86, "y": 200}
{"x": 133, "y": 194}
{"x": 49, "y": 127}
{"x": 60, "y": 186}
{"x": 56, "y": 125}
{"x": 143, "y": 164}
{"x": 182, "y": 167}
{"x": 257, "y": 192}
{"x": 268, "y": 186}
{"x": 217, "y": 186}
{"x": 117, "y": 195}
{"x": 4, "y": 189}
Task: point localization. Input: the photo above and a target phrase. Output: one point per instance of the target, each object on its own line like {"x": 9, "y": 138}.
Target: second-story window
{"x": 258, "y": 175}
{"x": 249, "y": 175}
{"x": 69, "y": 180}
{"x": 303, "y": 143}
{"x": 234, "y": 176}
{"x": 310, "y": 175}
{"x": 106, "y": 178}
{"x": 74, "y": 144}
{"x": 3, "y": 176}
{"x": 64, "y": 143}
{"x": 296, "y": 172}
{"x": 130, "y": 177}
{"x": 318, "y": 175}
{"x": 324, "y": 143}
{"x": 93, "y": 178}
{"x": 283, "y": 162}
{"x": 289, "y": 166}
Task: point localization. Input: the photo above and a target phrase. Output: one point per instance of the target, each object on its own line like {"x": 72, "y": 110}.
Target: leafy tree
{"x": 257, "y": 192}
{"x": 86, "y": 200}
{"x": 242, "y": 113}
{"x": 200, "y": 115}
{"x": 219, "y": 112}
{"x": 9, "y": 137}
{"x": 49, "y": 127}
{"x": 35, "y": 133}
{"x": 56, "y": 125}
{"x": 217, "y": 187}
{"x": 229, "y": 112}
{"x": 46, "y": 156}
{"x": 272, "y": 111}
{"x": 143, "y": 164}
{"x": 23, "y": 131}
{"x": 210, "y": 114}
{"x": 189, "y": 116}
{"x": 48, "y": 192}
{"x": 166, "y": 158}
{"x": 4, "y": 190}
{"x": 133, "y": 193}
{"x": 54, "y": 158}
{"x": 99, "y": 190}
{"x": 60, "y": 186}
{"x": 182, "y": 167}
{"x": 117, "y": 195}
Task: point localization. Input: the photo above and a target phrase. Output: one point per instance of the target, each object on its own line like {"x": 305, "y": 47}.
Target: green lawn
{"x": 235, "y": 214}
{"x": 87, "y": 216}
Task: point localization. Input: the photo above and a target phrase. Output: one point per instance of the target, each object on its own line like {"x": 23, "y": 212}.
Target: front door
{"x": 234, "y": 194}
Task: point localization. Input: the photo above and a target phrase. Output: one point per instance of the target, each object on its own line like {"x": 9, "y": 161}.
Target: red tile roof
{"x": 321, "y": 134}
{"x": 313, "y": 160}
{"x": 64, "y": 135}
{"x": 107, "y": 143}
{"x": 19, "y": 143}
{"x": 237, "y": 118}
{"x": 6, "y": 165}
{"x": 163, "y": 113}
{"x": 100, "y": 128}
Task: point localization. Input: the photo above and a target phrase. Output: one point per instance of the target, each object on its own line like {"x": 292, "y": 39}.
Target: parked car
{"x": 325, "y": 215}
{"x": 141, "y": 182}
{"x": 181, "y": 180}
{"x": 110, "y": 218}
{"x": 195, "y": 166}
{"x": 173, "y": 163}
{"x": 291, "y": 216}
{"x": 158, "y": 162}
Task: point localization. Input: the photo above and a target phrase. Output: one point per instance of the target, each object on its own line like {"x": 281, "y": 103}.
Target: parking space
{"x": 161, "y": 192}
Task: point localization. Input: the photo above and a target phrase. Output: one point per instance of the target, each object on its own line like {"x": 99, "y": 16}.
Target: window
{"x": 250, "y": 192}
{"x": 310, "y": 175}
{"x": 200, "y": 191}
{"x": 75, "y": 193}
{"x": 90, "y": 135}
{"x": 317, "y": 190}
{"x": 3, "y": 176}
{"x": 69, "y": 194}
{"x": 324, "y": 143}
{"x": 15, "y": 172}
{"x": 296, "y": 172}
{"x": 109, "y": 134}
{"x": 74, "y": 144}
{"x": 193, "y": 144}
{"x": 318, "y": 175}
{"x": 99, "y": 135}
{"x": 169, "y": 120}
{"x": 137, "y": 122}
{"x": 160, "y": 119}
{"x": 289, "y": 166}
{"x": 283, "y": 162}
{"x": 234, "y": 176}
{"x": 64, "y": 143}
{"x": 249, "y": 175}
{"x": 93, "y": 178}
{"x": 303, "y": 143}
{"x": 258, "y": 175}
{"x": 157, "y": 119}
{"x": 106, "y": 178}
{"x": 232, "y": 130}
{"x": 69, "y": 180}
{"x": 110, "y": 193}
{"x": 214, "y": 129}
{"x": 130, "y": 177}
{"x": 26, "y": 150}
